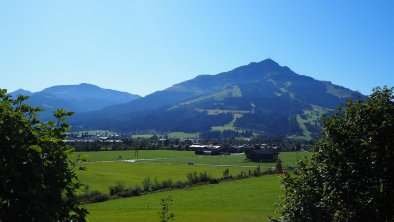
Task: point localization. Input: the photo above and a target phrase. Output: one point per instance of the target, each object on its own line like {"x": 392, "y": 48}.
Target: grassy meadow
{"x": 251, "y": 199}
{"x": 184, "y": 157}
{"x": 101, "y": 175}
{"x": 131, "y": 155}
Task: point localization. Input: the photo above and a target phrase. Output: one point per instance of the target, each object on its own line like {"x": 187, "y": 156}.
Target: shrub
{"x": 135, "y": 191}
{"x": 166, "y": 183}
{"x": 192, "y": 178}
{"x": 147, "y": 184}
{"x": 118, "y": 189}
{"x": 92, "y": 197}
{"x": 213, "y": 181}
{"x": 204, "y": 177}
{"x": 156, "y": 185}
{"x": 179, "y": 184}
{"x": 226, "y": 173}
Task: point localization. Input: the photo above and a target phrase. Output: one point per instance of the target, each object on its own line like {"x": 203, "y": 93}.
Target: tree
{"x": 350, "y": 176}
{"x": 165, "y": 214}
{"x": 37, "y": 179}
{"x": 278, "y": 165}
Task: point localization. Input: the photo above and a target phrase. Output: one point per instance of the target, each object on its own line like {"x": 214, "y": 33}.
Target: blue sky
{"x": 144, "y": 46}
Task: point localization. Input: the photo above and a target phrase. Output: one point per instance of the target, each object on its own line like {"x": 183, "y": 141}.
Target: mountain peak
{"x": 261, "y": 97}
{"x": 86, "y": 85}
{"x": 269, "y": 61}
{"x": 21, "y": 92}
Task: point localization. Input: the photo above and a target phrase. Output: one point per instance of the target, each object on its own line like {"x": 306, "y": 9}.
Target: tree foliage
{"x": 165, "y": 214}
{"x": 350, "y": 177}
{"x": 37, "y": 179}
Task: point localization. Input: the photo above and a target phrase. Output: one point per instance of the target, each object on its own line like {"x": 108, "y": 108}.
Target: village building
{"x": 262, "y": 155}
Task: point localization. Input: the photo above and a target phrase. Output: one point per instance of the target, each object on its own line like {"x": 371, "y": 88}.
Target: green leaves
{"x": 38, "y": 183}
{"x": 36, "y": 148}
{"x": 350, "y": 176}
{"x": 62, "y": 114}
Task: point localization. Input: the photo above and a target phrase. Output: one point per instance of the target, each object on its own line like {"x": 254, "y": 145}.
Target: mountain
{"x": 260, "y": 98}
{"x": 88, "y": 97}
{"x": 77, "y": 98}
{"x": 20, "y": 92}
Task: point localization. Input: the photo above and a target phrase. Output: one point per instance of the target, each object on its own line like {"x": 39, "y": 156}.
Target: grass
{"x": 145, "y": 136}
{"x": 250, "y": 199}
{"x": 183, "y": 135}
{"x": 184, "y": 157}
{"x": 306, "y": 134}
{"x": 95, "y": 132}
{"x": 221, "y": 111}
{"x": 164, "y": 164}
{"x": 101, "y": 175}
{"x": 230, "y": 125}
{"x": 288, "y": 159}
{"x": 235, "y": 91}
{"x": 311, "y": 117}
{"x": 337, "y": 91}
{"x": 131, "y": 154}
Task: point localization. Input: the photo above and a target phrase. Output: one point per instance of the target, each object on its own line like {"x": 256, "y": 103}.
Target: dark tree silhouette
{"x": 37, "y": 179}
{"x": 350, "y": 177}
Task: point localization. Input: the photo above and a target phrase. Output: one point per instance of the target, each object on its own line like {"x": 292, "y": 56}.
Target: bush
{"x": 226, "y": 173}
{"x": 147, "y": 184}
{"x": 156, "y": 185}
{"x": 166, "y": 183}
{"x": 135, "y": 191}
{"x": 204, "y": 177}
{"x": 192, "y": 178}
{"x": 179, "y": 184}
{"x": 119, "y": 189}
{"x": 93, "y": 197}
{"x": 213, "y": 181}
{"x": 242, "y": 175}
{"x": 257, "y": 172}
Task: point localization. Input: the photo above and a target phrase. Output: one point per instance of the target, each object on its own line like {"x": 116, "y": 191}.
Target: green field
{"x": 288, "y": 159}
{"x": 184, "y": 157}
{"x": 145, "y": 136}
{"x": 95, "y": 132}
{"x": 131, "y": 154}
{"x": 250, "y": 200}
{"x": 101, "y": 175}
{"x": 183, "y": 135}
{"x": 104, "y": 169}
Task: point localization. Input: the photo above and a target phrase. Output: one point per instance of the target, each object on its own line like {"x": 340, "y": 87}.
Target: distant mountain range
{"x": 261, "y": 98}
{"x": 78, "y": 98}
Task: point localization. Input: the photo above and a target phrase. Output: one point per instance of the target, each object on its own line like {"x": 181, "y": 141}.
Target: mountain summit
{"x": 260, "y": 98}
{"x": 78, "y": 98}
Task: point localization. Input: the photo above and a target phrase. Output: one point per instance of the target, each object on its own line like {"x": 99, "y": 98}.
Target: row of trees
{"x": 154, "y": 143}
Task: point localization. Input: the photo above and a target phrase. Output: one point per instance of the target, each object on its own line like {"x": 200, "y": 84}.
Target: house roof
{"x": 265, "y": 151}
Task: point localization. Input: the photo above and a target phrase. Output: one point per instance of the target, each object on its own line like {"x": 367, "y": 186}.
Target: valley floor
{"x": 251, "y": 199}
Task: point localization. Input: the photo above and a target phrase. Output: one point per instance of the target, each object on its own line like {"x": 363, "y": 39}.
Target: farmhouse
{"x": 205, "y": 149}
{"x": 262, "y": 155}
